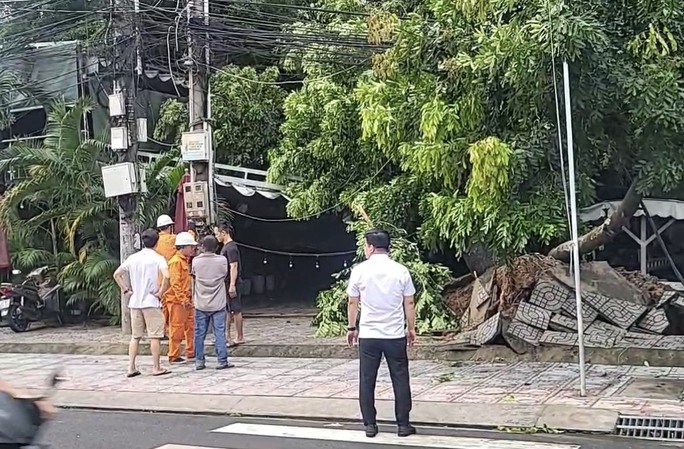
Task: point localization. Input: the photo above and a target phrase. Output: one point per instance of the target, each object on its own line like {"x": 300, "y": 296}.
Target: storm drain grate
{"x": 651, "y": 428}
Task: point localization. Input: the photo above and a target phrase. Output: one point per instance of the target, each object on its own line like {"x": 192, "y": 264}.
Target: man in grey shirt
{"x": 209, "y": 271}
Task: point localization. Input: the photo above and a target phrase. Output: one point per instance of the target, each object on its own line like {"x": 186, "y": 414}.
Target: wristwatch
{"x": 351, "y": 329}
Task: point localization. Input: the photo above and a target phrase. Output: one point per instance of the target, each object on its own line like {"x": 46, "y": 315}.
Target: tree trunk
{"x": 605, "y": 232}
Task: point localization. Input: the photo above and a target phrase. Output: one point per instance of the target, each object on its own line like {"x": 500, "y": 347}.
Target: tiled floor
{"x": 518, "y": 383}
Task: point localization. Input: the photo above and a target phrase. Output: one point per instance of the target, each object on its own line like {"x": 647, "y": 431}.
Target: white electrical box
{"x": 196, "y": 199}
{"x": 117, "y": 105}
{"x": 195, "y": 146}
{"x": 119, "y": 138}
{"x": 142, "y": 129}
{"x": 119, "y": 179}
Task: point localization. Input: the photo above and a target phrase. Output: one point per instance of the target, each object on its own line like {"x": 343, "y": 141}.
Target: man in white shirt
{"x": 144, "y": 278}
{"x": 385, "y": 291}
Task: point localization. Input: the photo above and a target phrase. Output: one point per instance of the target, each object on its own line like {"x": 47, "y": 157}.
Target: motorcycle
{"x": 21, "y": 419}
{"x": 37, "y": 298}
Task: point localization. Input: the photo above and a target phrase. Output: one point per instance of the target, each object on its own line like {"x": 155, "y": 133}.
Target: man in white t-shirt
{"x": 385, "y": 291}
{"x": 144, "y": 278}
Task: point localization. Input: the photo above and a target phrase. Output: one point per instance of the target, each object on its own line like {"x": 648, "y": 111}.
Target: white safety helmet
{"x": 163, "y": 221}
{"x": 185, "y": 239}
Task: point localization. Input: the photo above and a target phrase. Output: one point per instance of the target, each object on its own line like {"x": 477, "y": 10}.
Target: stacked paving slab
{"x": 548, "y": 317}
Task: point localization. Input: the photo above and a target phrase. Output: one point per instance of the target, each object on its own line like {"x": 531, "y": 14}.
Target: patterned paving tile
{"x": 673, "y": 342}
{"x": 553, "y": 338}
{"x": 533, "y": 315}
{"x": 643, "y": 341}
{"x": 603, "y": 335}
{"x": 524, "y": 332}
{"x": 549, "y": 295}
{"x": 489, "y": 330}
{"x": 654, "y": 321}
{"x": 569, "y": 308}
{"x": 562, "y": 323}
{"x": 619, "y": 312}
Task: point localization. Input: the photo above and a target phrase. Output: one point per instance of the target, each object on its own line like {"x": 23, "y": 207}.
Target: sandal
{"x": 162, "y": 373}
{"x": 133, "y": 374}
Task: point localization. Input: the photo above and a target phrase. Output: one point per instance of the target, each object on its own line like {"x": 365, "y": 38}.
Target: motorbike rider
{"x": 26, "y": 413}
{"x": 46, "y": 408}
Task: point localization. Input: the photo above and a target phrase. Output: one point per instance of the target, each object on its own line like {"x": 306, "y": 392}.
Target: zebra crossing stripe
{"x": 353, "y": 436}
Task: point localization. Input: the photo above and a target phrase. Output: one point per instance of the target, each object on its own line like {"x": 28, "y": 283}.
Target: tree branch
{"x": 606, "y": 231}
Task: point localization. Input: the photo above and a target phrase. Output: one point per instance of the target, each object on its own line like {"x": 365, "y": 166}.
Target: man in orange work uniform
{"x": 179, "y": 300}
{"x": 167, "y": 248}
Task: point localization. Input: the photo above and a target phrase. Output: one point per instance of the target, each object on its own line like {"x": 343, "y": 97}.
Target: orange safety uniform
{"x": 181, "y": 310}
{"x": 166, "y": 246}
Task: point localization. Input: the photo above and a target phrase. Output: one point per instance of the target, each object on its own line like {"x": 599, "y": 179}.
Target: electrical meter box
{"x": 119, "y": 136}
{"x": 196, "y": 199}
{"x": 119, "y": 179}
{"x": 195, "y": 146}
{"x": 117, "y": 105}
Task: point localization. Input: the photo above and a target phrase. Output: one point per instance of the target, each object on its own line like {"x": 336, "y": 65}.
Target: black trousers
{"x": 371, "y": 351}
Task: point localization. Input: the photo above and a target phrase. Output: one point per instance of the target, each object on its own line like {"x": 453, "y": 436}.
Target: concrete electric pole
{"x": 124, "y": 129}
{"x": 201, "y": 190}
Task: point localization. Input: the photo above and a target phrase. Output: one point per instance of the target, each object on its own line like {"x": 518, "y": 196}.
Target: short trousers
{"x": 149, "y": 320}
{"x": 234, "y": 305}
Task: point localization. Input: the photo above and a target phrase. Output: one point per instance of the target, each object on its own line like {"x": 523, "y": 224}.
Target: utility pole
{"x": 199, "y": 109}
{"x": 124, "y": 129}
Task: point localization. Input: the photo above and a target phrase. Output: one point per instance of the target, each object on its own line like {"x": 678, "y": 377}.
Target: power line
{"x": 338, "y": 205}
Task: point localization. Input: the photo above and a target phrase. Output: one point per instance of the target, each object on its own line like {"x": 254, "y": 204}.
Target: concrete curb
{"x": 560, "y": 417}
{"x": 337, "y": 350}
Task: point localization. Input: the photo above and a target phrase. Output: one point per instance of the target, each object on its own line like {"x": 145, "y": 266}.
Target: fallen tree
{"x": 606, "y": 231}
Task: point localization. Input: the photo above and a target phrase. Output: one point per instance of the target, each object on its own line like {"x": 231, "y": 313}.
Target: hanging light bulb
{"x": 318, "y": 265}
{"x": 291, "y": 264}
{"x": 345, "y": 263}
{"x": 265, "y": 260}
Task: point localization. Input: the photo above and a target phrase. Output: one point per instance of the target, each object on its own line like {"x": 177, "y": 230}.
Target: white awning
{"x": 244, "y": 190}
{"x": 656, "y": 208}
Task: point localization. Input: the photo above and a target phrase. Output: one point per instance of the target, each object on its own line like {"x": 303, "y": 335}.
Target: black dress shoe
{"x": 406, "y": 431}
{"x": 372, "y": 431}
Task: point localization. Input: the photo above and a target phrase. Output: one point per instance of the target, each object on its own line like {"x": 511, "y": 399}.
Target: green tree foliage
{"x": 454, "y": 124}
{"x": 450, "y": 130}
{"x": 247, "y": 112}
{"x": 429, "y": 280}
{"x": 23, "y": 23}
{"x": 10, "y": 85}
{"x": 56, "y": 212}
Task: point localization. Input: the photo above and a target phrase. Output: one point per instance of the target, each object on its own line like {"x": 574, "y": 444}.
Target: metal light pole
{"x": 574, "y": 229}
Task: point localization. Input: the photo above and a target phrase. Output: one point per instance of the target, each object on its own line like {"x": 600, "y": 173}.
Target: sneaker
{"x": 177, "y": 360}
{"x": 226, "y": 366}
{"x": 200, "y": 367}
{"x": 371, "y": 431}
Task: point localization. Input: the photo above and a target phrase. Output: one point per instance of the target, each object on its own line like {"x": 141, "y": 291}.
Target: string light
{"x": 265, "y": 259}
{"x": 266, "y": 251}
{"x": 318, "y": 265}
{"x": 291, "y": 264}
{"x": 345, "y": 263}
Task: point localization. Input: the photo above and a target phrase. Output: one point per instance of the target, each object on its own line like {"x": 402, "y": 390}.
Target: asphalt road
{"x": 105, "y": 430}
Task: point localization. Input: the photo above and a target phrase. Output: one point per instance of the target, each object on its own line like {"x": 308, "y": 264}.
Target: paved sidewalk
{"x": 436, "y": 386}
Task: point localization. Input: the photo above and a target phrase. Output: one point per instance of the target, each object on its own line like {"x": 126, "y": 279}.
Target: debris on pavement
{"x": 531, "y": 302}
